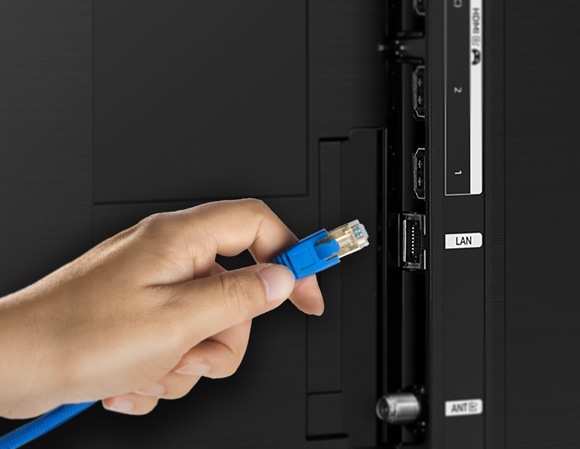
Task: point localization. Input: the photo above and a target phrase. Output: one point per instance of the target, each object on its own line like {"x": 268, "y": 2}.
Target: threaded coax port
{"x": 399, "y": 408}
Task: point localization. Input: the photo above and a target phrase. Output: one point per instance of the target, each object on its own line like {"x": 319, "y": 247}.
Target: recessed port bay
{"x": 419, "y": 92}
{"x": 419, "y": 173}
{"x": 413, "y": 241}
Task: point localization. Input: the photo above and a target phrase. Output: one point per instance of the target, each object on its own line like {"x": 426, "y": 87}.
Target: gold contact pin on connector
{"x": 351, "y": 237}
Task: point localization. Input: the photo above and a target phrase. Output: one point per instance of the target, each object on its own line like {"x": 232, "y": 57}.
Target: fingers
{"x": 143, "y": 401}
{"x": 204, "y": 307}
{"x": 171, "y": 386}
{"x": 307, "y": 296}
{"x": 227, "y": 228}
{"x": 217, "y": 269}
{"x": 219, "y": 356}
{"x": 131, "y": 404}
{"x": 211, "y": 269}
{"x": 230, "y": 227}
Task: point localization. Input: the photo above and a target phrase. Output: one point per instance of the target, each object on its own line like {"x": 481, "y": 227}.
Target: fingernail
{"x": 156, "y": 390}
{"x": 121, "y": 406}
{"x": 278, "y": 281}
{"x": 194, "y": 369}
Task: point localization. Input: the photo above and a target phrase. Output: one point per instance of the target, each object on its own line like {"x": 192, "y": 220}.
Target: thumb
{"x": 216, "y": 303}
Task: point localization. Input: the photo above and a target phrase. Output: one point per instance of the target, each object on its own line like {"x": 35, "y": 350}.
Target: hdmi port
{"x": 419, "y": 173}
{"x": 413, "y": 241}
{"x": 419, "y": 92}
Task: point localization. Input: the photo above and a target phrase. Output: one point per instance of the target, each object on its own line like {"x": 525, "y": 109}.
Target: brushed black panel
{"x": 325, "y": 336}
{"x": 192, "y": 97}
{"x": 325, "y": 414}
{"x": 359, "y": 291}
{"x": 257, "y": 408}
{"x": 45, "y": 137}
{"x": 495, "y": 226}
{"x": 346, "y": 72}
{"x": 46, "y": 179}
{"x": 542, "y": 221}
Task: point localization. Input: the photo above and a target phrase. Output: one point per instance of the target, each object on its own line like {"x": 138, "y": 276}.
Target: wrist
{"x": 28, "y": 376}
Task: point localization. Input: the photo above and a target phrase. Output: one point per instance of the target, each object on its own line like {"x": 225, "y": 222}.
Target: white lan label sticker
{"x": 464, "y": 408}
{"x": 460, "y": 241}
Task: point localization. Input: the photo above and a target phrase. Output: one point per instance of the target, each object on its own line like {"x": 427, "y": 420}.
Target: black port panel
{"x": 405, "y": 170}
{"x": 405, "y": 306}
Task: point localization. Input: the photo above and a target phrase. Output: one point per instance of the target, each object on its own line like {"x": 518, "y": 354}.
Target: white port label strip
{"x": 476, "y": 93}
{"x": 464, "y": 62}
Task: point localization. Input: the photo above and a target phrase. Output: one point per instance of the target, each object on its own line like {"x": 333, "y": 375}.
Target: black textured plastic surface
{"x": 183, "y": 102}
{"x": 194, "y": 97}
{"x": 542, "y": 219}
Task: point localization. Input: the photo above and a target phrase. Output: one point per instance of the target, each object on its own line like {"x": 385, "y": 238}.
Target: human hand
{"x": 145, "y": 314}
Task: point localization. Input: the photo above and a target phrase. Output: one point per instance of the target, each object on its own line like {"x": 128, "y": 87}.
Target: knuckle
{"x": 257, "y": 206}
{"x": 156, "y": 224}
{"x": 161, "y": 230}
{"x": 151, "y": 222}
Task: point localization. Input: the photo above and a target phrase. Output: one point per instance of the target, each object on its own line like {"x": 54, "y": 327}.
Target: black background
{"x": 56, "y": 202}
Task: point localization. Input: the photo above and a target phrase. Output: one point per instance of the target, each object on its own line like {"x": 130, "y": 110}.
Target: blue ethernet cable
{"x": 309, "y": 256}
{"x": 44, "y": 424}
{"x": 323, "y": 249}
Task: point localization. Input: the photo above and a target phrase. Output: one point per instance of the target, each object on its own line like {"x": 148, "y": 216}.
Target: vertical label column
{"x": 464, "y": 97}
{"x": 463, "y": 281}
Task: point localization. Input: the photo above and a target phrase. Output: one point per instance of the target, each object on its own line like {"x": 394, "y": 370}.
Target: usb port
{"x": 419, "y": 173}
{"x": 413, "y": 241}
{"x": 419, "y": 6}
{"x": 419, "y": 92}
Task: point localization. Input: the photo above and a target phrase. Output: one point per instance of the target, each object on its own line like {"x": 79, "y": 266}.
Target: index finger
{"x": 230, "y": 227}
